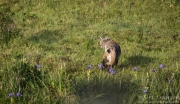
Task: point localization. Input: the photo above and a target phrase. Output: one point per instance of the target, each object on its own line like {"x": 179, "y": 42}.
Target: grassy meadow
{"x": 47, "y": 45}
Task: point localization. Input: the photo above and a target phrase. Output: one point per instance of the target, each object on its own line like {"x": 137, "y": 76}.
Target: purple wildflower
{"x": 100, "y": 66}
{"x": 112, "y": 71}
{"x": 161, "y": 66}
{"x": 145, "y": 91}
{"x": 89, "y": 66}
{"x": 135, "y": 68}
{"x": 38, "y": 66}
{"x": 153, "y": 70}
{"x": 10, "y": 95}
{"x": 18, "y": 94}
{"x": 170, "y": 80}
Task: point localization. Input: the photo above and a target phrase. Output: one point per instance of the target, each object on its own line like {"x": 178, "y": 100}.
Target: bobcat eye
{"x": 109, "y": 51}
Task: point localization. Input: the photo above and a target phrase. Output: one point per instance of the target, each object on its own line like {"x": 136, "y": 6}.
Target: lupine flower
{"x": 153, "y": 70}
{"x": 18, "y": 94}
{"x": 145, "y": 91}
{"x": 10, "y": 95}
{"x": 89, "y": 66}
{"x": 170, "y": 80}
{"x": 38, "y": 66}
{"x": 112, "y": 71}
{"x": 161, "y": 66}
{"x": 100, "y": 66}
{"x": 135, "y": 68}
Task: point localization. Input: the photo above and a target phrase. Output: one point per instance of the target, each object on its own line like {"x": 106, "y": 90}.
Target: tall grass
{"x": 44, "y": 57}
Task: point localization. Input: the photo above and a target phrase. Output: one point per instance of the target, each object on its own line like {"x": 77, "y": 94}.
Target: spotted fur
{"x": 112, "y": 52}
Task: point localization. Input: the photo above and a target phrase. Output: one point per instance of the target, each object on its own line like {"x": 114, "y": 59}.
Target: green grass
{"x": 62, "y": 36}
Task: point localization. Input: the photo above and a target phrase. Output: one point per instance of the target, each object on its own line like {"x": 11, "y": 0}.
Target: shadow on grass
{"x": 27, "y": 74}
{"x": 136, "y": 61}
{"x": 8, "y": 29}
{"x": 107, "y": 91}
{"x": 46, "y": 36}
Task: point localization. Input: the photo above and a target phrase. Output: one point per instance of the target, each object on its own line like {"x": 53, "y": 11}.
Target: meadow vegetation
{"x": 47, "y": 45}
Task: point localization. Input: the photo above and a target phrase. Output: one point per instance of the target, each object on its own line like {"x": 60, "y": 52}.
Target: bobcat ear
{"x": 101, "y": 38}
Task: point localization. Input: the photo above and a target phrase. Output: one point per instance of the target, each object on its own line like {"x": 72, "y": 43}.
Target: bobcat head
{"x": 103, "y": 42}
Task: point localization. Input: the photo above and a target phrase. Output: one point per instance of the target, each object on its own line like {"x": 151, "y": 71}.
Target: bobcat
{"x": 112, "y": 52}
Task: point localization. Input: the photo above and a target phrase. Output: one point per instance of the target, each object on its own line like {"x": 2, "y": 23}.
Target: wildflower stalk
{"x": 177, "y": 67}
{"x": 12, "y": 100}
{"x": 135, "y": 70}
{"x": 88, "y": 74}
{"x": 135, "y": 74}
{"x": 89, "y": 67}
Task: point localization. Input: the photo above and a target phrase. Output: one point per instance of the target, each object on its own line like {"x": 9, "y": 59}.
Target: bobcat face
{"x": 103, "y": 42}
